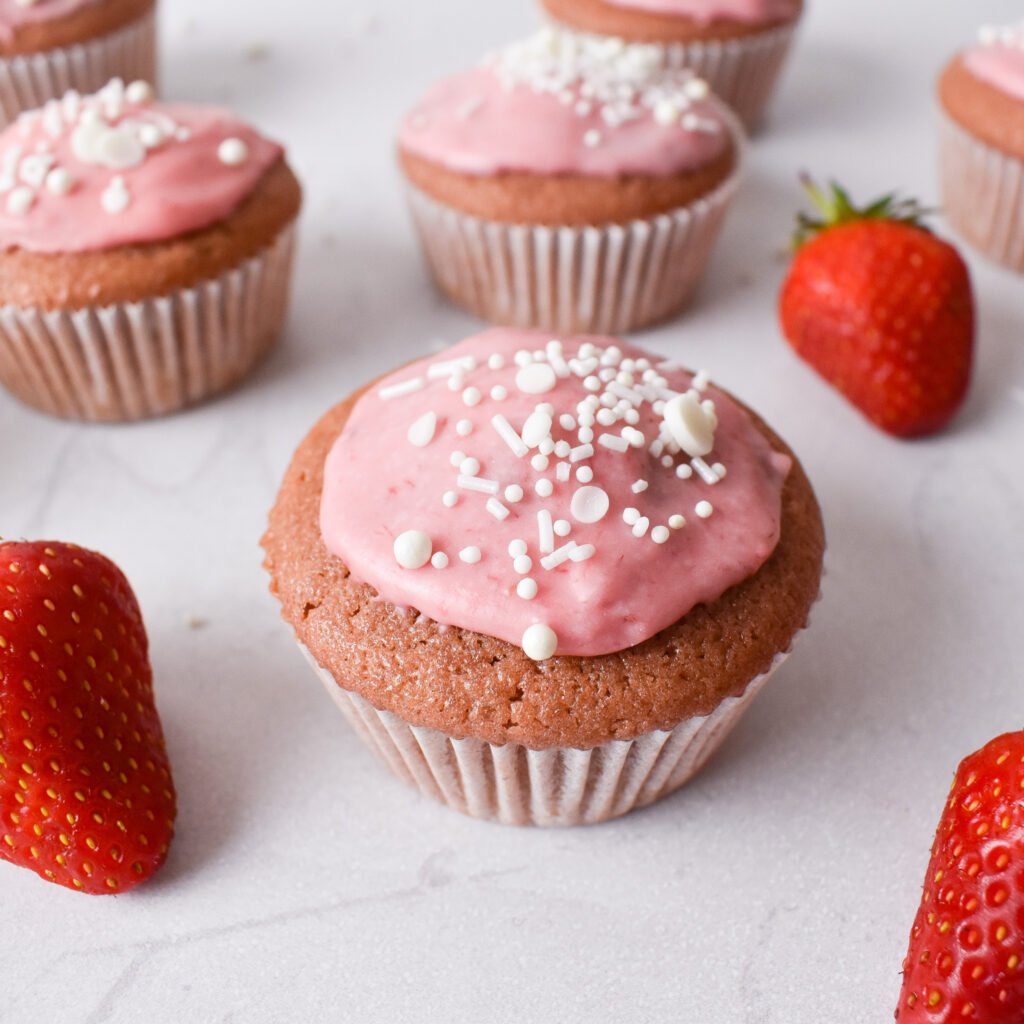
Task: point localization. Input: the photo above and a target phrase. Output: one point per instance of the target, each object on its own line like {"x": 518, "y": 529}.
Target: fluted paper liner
{"x": 610, "y": 279}
{"x": 28, "y": 80}
{"x": 136, "y": 360}
{"x": 516, "y": 785}
{"x": 983, "y": 194}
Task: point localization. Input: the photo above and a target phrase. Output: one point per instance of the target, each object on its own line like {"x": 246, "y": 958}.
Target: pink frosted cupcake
{"x": 50, "y": 46}
{"x": 737, "y": 46}
{"x": 145, "y": 253}
{"x": 570, "y": 183}
{"x": 981, "y": 94}
{"x": 544, "y": 577}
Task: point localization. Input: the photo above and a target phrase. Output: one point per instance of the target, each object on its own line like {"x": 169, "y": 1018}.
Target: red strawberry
{"x": 883, "y": 310}
{"x": 966, "y": 956}
{"x": 86, "y": 797}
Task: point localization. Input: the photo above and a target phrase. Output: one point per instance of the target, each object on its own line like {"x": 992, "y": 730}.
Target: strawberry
{"x": 966, "y": 956}
{"x": 882, "y": 309}
{"x": 86, "y": 797}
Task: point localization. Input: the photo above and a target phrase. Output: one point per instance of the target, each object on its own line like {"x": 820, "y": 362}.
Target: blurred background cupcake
{"x": 50, "y": 46}
{"x": 570, "y": 182}
{"x": 737, "y": 46}
{"x": 145, "y": 253}
{"x": 981, "y": 95}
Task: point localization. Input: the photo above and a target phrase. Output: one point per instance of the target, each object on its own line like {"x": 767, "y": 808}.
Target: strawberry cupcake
{"x": 570, "y": 183}
{"x": 570, "y": 568}
{"x": 737, "y": 46}
{"x": 981, "y": 96}
{"x": 145, "y": 253}
{"x": 50, "y": 46}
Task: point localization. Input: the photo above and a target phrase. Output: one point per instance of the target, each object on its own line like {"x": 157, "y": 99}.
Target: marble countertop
{"x": 304, "y": 881}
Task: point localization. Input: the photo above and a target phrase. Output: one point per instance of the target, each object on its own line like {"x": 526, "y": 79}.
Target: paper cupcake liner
{"x": 27, "y": 81}
{"x": 983, "y": 194}
{"x": 136, "y": 360}
{"x": 516, "y": 785}
{"x": 593, "y": 280}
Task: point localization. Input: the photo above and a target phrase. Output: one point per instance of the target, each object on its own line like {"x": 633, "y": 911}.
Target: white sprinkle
{"x": 406, "y": 387}
{"x": 232, "y": 152}
{"x": 20, "y": 200}
{"x": 536, "y": 428}
{"x": 496, "y": 361}
{"x": 633, "y": 437}
{"x": 696, "y": 89}
{"x": 536, "y": 379}
{"x": 539, "y": 642}
{"x": 138, "y": 92}
{"x": 544, "y": 487}
{"x": 545, "y": 532}
{"x": 660, "y": 534}
{"x": 439, "y": 560}
{"x": 558, "y": 556}
{"x": 683, "y": 470}
{"x": 527, "y": 589}
{"x": 690, "y": 424}
{"x": 606, "y": 417}
{"x": 469, "y": 467}
{"x": 585, "y": 434}
{"x": 478, "y": 483}
{"x": 638, "y": 486}
{"x": 496, "y": 509}
{"x": 59, "y": 181}
{"x": 592, "y": 137}
{"x": 421, "y": 433}
{"x": 151, "y": 136}
{"x": 581, "y": 452}
{"x": 589, "y": 504}
{"x": 522, "y": 564}
{"x": 584, "y": 474}
{"x": 547, "y": 446}
{"x": 667, "y": 460}
{"x": 457, "y": 381}
{"x": 449, "y": 367}
{"x": 582, "y": 552}
{"x": 704, "y": 471}
{"x": 592, "y": 383}
{"x": 457, "y": 458}
{"x": 562, "y": 527}
{"x": 539, "y": 463}
{"x": 472, "y": 396}
{"x": 470, "y": 555}
{"x": 566, "y": 422}
{"x": 701, "y": 380}
{"x": 703, "y": 509}
{"x": 562, "y": 472}
{"x": 509, "y": 436}
{"x": 450, "y": 499}
{"x": 517, "y": 548}
{"x": 677, "y": 522}
{"x": 613, "y": 441}
{"x": 640, "y": 526}
{"x": 630, "y": 515}
{"x": 522, "y": 358}
{"x": 499, "y": 393}
{"x": 412, "y": 549}
{"x": 513, "y": 493}
{"x": 719, "y": 470}
{"x": 464, "y": 428}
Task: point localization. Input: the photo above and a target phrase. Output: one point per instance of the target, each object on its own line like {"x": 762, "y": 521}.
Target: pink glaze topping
{"x": 572, "y": 495}
{"x": 560, "y": 103}
{"x": 94, "y": 172}
{"x": 752, "y": 12}
{"x": 998, "y": 58}
{"x": 15, "y": 13}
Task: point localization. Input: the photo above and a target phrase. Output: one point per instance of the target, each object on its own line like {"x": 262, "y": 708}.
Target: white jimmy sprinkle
{"x": 558, "y": 556}
{"x": 614, "y": 442}
{"x": 581, "y": 452}
{"x": 582, "y": 552}
{"x": 704, "y": 471}
{"x": 478, "y": 483}
{"x": 545, "y": 532}
{"x": 447, "y": 367}
{"x": 405, "y": 387}
{"x": 562, "y": 471}
{"x": 638, "y": 486}
{"x": 496, "y": 509}
{"x": 507, "y": 433}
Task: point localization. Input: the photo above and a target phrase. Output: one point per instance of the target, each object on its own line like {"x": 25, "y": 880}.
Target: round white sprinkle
{"x": 151, "y": 136}
{"x": 456, "y": 382}
{"x": 562, "y": 527}
{"x": 522, "y": 358}
{"x": 20, "y": 200}
{"x": 450, "y": 498}
{"x": 139, "y": 92}
{"x": 496, "y": 361}
{"x": 585, "y": 435}
{"x": 464, "y": 428}
{"x": 546, "y": 447}
{"x": 667, "y": 460}
{"x": 630, "y": 516}
{"x": 584, "y": 474}
{"x": 115, "y": 197}
{"x": 536, "y": 379}
{"x": 513, "y": 493}
{"x": 517, "y": 547}
{"x": 469, "y": 467}
{"x": 677, "y": 522}
{"x": 439, "y": 560}
{"x": 456, "y": 458}
{"x": 606, "y": 417}
{"x": 59, "y": 181}
{"x": 544, "y": 487}
{"x": 562, "y": 449}
{"x": 470, "y": 555}
{"x": 472, "y": 396}
{"x": 539, "y": 463}
{"x": 412, "y": 549}
{"x": 499, "y": 393}
{"x": 703, "y": 509}
{"x": 592, "y": 383}
{"x": 589, "y": 504}
{"x": 421, "y": 433}
{"x": 684, "y": 470}
{"x": 566, "y": 422}
{"x": 522, "y": 564}
{"x": 660, "y": 534}
{"x": 545, "y": 407}
{"x": 719, "y": 470}
{"x": 539, "y": 642}
{"x": 527, "y": 589}
{"x": 592, "y": 137}
{"x": 232, "y": 152}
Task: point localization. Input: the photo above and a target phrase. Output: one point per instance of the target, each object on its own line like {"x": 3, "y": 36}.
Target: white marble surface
{"x": 304, "y": 882}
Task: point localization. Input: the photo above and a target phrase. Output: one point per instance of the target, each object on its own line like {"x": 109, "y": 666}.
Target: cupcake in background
{"x": 145, "y": 253}
{"x": 543, "y": 577}
{"x": 981, "y": 95}
{"x": 50, "y": 46}
{"x": 737, "y": 46}
{"x": 570, "y": 182}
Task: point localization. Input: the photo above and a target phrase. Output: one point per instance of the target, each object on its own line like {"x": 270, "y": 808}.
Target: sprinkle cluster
{"x": 620, "y": 81}
{"x": 558, "y": 447}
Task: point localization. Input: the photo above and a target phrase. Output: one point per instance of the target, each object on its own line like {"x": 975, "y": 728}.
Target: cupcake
{"x": 542, "y": 577}
{"x": 145, "y": 253}
{"x": 981, "y": 95}
{"x": 570, "y": 183}
{"x": 50, "y": 46}
{"x": 738, "y": 46}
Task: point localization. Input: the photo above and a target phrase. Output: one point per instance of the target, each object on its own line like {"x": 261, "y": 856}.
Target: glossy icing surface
{"x": 998, "y": 58}
{"x": 534, "y": 489}
{"x": 558, "y": 103}
{"x": 706, "y": 11}
{"x": 94, "y": 172}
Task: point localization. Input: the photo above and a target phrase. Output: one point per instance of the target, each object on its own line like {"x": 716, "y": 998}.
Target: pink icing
{"x": 999, "y": 59}
{"x": 179, "y": 184}
{"x": 568, "y": 106}
{"x": 378, "y": 485}
{"x": 13, "y": 15}
{"x": 706, "y": 11}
